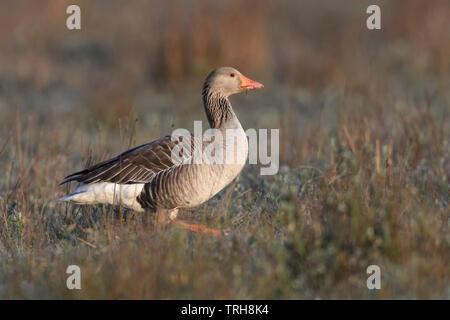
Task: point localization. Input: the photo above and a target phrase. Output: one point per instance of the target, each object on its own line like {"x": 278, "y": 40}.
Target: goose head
{"x": 228, "y": 81}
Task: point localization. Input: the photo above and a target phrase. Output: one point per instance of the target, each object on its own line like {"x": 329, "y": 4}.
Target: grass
{"x": 364, "y": 153}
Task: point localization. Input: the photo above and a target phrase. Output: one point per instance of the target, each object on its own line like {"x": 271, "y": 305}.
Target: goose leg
{"x": 200, "y": 228}
{"x": 160, "y": 221}
{"x": 163, "y": 217}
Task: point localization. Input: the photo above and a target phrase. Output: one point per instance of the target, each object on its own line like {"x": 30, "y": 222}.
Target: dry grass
{"x": 364, "y": 133}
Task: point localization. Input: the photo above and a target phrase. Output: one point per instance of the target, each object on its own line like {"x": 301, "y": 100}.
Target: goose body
{"x": 148, "y": 177}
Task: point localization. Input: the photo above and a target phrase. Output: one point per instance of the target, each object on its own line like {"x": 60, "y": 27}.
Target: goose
{"x": 149, "y": 177}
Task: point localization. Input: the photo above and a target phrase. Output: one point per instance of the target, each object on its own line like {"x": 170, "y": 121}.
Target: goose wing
{"x": 137, "y": 165}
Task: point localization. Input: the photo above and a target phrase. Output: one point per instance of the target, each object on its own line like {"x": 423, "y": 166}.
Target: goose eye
{"x": 232, "y": 75}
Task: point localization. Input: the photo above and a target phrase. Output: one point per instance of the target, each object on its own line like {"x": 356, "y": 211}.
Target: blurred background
{"x": 153, "y": 55}
{"x": 147, "y": 59}
{"x": 368, "y": 109}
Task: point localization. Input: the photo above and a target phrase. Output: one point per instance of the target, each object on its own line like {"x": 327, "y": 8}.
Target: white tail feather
{"x": 106, "y": 192}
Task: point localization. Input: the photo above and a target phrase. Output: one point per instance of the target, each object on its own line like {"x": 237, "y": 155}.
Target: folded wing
{"x": 137, "y": 165}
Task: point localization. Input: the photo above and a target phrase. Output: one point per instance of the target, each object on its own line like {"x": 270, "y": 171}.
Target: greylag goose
{"x": 149, "y": 177}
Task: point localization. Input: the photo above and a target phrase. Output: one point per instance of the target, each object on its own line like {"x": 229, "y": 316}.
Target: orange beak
{"x": 248, "y": 84}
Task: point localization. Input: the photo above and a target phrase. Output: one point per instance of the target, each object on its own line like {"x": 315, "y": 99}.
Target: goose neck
{"x": 217, "y": 107}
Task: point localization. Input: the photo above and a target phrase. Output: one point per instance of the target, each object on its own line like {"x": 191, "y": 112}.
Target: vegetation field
{"x": 364, "y": 148}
